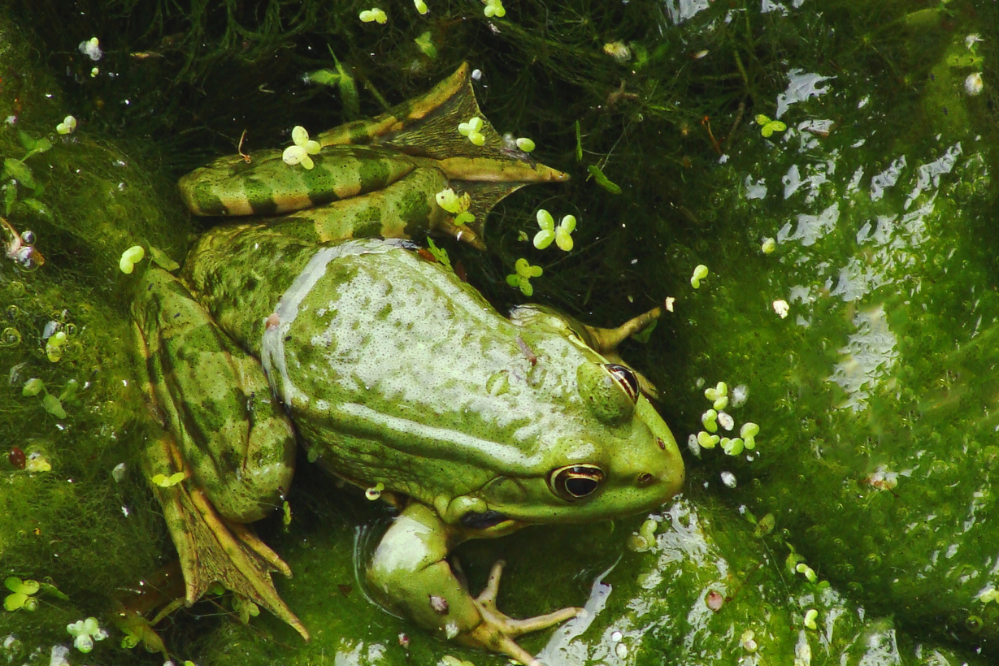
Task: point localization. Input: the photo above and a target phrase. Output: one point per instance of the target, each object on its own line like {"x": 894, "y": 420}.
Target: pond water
{"x": 830, "y": 163}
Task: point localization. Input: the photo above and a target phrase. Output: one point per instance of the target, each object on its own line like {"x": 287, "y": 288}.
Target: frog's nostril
{"x": 645, "y": 479}
{"x": 661, "y": 443}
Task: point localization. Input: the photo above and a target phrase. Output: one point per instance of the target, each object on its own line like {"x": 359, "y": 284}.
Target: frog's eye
{"x": 625, "y": 378}
{"x": 609, "y": 390}
{"x": 575, "y": 481}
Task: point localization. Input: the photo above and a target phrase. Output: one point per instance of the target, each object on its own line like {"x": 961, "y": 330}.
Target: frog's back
{"x": 364, "y": 338}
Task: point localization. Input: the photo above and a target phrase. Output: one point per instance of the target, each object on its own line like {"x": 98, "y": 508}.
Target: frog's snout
{"x": 669, "y": 477}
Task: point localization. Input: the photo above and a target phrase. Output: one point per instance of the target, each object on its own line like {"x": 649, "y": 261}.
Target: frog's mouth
{"x": 483, "y": 520}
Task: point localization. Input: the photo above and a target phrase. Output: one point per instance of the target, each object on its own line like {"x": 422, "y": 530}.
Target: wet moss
{"x": 190, "y": 77}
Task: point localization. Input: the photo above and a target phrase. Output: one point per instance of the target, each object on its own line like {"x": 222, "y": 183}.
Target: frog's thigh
{"x": 216, "y": 400}
{"x": 409, "y": 573}
{"x": 405, "y": 208}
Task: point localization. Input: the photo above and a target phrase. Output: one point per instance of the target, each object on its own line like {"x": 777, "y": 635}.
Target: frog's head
{"x": 616, "y": 457}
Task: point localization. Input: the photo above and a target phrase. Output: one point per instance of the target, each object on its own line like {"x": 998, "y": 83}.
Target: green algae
{"x": 195, "y": 75}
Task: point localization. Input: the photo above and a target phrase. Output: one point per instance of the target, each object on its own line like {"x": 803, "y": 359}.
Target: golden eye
{"x": 575, "y": 481}
{"x": 625, "y": 378}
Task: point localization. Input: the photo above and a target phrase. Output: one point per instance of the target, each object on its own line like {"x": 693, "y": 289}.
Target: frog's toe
{"x": 497, "y": 631}
{"x": 606, "y": 340}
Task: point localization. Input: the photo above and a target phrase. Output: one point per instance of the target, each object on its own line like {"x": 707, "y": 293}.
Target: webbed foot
{"x": 497, "y": 631}
{"x": 210, "y": 547}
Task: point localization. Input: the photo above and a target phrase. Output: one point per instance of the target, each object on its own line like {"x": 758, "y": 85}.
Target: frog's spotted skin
{"x": 392, "y": 371}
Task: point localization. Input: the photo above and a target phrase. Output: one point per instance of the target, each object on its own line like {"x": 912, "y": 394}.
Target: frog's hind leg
{"x": 426, "y": 129}
{"x": 212, "y": 549}
{"x": 405, "y": 208}
{"x": 225, "y": 451}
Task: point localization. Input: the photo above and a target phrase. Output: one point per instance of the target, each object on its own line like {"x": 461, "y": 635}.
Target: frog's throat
{"x": 278, "y": 324}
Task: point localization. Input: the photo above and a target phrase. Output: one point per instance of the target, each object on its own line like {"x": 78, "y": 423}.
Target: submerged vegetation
{"x": 831, "y": 162}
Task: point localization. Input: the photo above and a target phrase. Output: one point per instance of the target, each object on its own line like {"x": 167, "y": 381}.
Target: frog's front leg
{"x": 410, "y": 574}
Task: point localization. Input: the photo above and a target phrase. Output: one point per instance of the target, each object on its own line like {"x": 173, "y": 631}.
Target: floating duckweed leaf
{"x": 709, "y": 420}
{"x": 525, "y": 144}
{"x": 85, "y": 632}
{"x": 563, "y": 231}
{"x": 130, "y": 257}
{"x": 719, "y": 391}
{"x": 494, "y": 8}
{"x": 67, "y": 126}
{"x": 471, "y": 129}
{"x": 549, "y": 232}
{"x": 732, "y": 447}
{"x": 524, "y": 269}
{"x": 463, "y": 217}
{"x": 15, "y": 584}
{"x": 707, "y": 440}
{"x": 522, "y": 278}
{"x": 700, "y": 272}
{"x": 301, "y": 151}
{"x": 544, "y": 237}
{"x": 375, "y": 15}
{"x": 602, "y": 180}
{"x": 54, "y": 346}
{"x": 769, "y": 126}
{"x": 164, "y": 481}
{"x": 21, "y": 594}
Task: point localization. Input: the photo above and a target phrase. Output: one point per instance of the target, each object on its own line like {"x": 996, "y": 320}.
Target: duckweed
{"x": 373, "y": 15}
{"x": 22, "y": 594}
{"x": 85, "y": 632}
{"x": 67, "y": 126}
{"x": 522, "y": 278}
{"x": 470, "y": 130}
{"x": 700, "y": 272}
{"x": 562, "y": 234}
{"x": 130, "y": 257}
{"x": 302, "y": 150}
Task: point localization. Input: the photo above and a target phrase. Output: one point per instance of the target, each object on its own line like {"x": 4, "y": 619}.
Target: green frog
{"x": 324, "y": 327}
